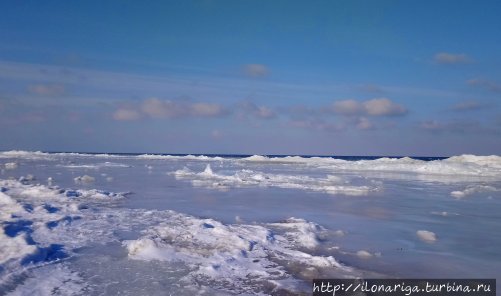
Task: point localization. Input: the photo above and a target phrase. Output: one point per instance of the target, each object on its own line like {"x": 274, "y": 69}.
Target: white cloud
{"x": 256, "y": 70}
{"x": 157, "y": 108}
{"x": 47, "y": 89}
{"x": 348, "y": 107}
{"x": 364, "y": 124}
{"x": 374, "y": 107}
{"x": 317, "y": 125}
{"x": 468, "y": 106}
{"x": 262, "y": 112}
{"x": 485, "y": 84}
{"x": 383, "y": 107}
{"x": 207, "y": 109}
{"x": 451, "y": 58}
{"x": 124, "y": 114}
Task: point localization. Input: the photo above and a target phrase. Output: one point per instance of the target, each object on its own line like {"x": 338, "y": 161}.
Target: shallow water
{"x": 194, "y": 225}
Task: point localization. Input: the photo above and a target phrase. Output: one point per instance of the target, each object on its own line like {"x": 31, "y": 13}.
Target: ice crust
{"x": 238, "y": 256}
{"x": 330, "y": 184}
{"x": 426, "y": 236}
{"x": 465, "y": 165}
{"x": 34, "y": 222}
{"x": 41, "y": 226}
{"x": 473, "y": 189}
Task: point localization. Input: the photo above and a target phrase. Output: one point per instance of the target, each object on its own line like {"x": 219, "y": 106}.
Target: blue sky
{"x": 251, "y": 77}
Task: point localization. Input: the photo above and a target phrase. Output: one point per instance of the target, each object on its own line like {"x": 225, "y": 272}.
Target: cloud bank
{"x": 374, "y": 107}
{"x": 157, "y": 108}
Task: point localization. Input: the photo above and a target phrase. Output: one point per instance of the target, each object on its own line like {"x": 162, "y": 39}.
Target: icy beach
{"x": 95, "y": 224}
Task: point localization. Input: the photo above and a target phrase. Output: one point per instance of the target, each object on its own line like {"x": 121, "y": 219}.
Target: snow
{"x": 329, "y": 184}
{"x": 426, "y": 236}
{"x": 228, "y": 226}
{"x": 14, "y": 248}
{"x": 465, "y": 165}
{"x": 237, "y": 254}
{"x": 84, "y": 179}
{"x": 11, "y": 166}
{"x": 473, "y": 189}
{"x": 363, "y": 254}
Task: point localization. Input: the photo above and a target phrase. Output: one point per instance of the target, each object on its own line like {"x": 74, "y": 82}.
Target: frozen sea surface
{"x": 82, "y": 224}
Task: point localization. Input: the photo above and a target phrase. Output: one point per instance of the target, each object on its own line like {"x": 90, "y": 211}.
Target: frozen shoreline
{"x": 127, "y": 224}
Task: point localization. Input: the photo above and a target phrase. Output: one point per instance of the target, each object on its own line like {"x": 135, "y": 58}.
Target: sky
{"x": 387, "y": 78}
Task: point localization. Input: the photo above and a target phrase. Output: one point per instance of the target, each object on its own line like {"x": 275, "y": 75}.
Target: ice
{"x": 363, "y": 254}
{"x": 301, "y": 232}
{"x": 51, "y": 280}
{"x": 27, "y": 179}
{"x": 14, "y": 245}
{"x": 179, "y": 157}
{"x": 48, "y": 223}
{"x": 8, "y": 206}
{"x": 468, "y": 165}
{"x": 14, "y": 248}
{"x": 239, "y": 255}
{"x": 329, "y": 184}
{"x": 473, "y": 189}
{"x": 250, "y": 226}
{"x": 463, "y": 165}
{"x": 39, "y": 155}
{"x": 24, "y": 154}
{"x": 84, "y": 179}
{"x": 488, "y": 161}
{"x": 96, "y": 166}
{"x": 11, "y": 166}
{"x": 426, "y": 236}
{"x": 41, "y": 224}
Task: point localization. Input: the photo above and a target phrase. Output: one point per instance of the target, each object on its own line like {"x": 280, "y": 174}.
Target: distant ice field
{"x": 94, "y": 224}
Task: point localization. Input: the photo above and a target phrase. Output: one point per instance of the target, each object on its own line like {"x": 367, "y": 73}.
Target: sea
{"x": 179, "y": 224}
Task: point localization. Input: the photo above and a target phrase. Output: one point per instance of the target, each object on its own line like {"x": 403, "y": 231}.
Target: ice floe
{"x": 330, "y": 184}
{"x": 473, "y": 189}
{"x": 84, "y": 179}
{"x": 11, "y": 166}
{"x": 463, "y": 165}
{"x": 426, "y": 236}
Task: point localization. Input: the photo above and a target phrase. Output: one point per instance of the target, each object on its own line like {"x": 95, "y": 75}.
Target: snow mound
{"x": 180, "y": 157}
{"x": 236, "y": 256}
{"x": 462, "y": 165}
{"x": 330, "y": 184}
{"x": 41, "y": 224}
{"x": 84, "y": 179}
{"x": 473, "y": 189}
{"x": 11, "y": 166}
{"x": 426, "y": 236}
